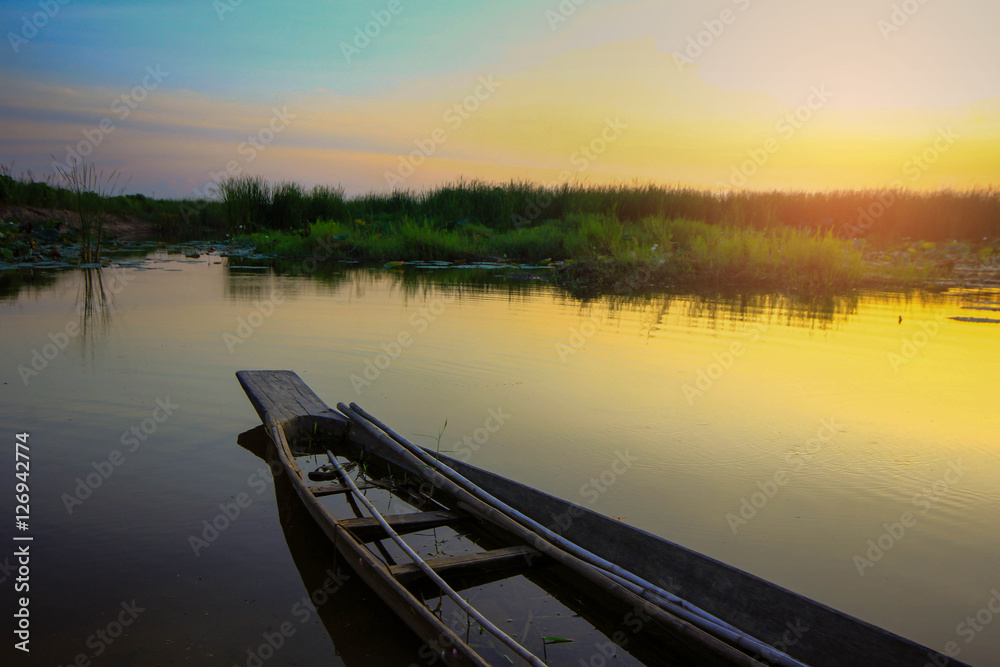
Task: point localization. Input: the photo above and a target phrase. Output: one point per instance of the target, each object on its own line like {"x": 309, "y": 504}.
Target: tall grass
{"x": 660, "y": 252}
{"x": 91, "y": 190}
{"x": 251, "y": 204}
{"x": 882, "y": 217}
{"x": 608, "y": 254}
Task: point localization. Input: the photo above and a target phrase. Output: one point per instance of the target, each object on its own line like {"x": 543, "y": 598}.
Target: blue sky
{"x": 895, "y": 80}
{"x": 260, "y": 49}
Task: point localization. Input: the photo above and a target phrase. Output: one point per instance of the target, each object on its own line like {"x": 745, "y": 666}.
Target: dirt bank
{"x": 121, "y": 227}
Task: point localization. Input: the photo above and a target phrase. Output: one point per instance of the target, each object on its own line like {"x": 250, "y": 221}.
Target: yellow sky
{"x": 784, "y": 96}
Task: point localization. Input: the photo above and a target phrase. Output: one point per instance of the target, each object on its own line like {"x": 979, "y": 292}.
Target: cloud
{"x": 545, "y": 104}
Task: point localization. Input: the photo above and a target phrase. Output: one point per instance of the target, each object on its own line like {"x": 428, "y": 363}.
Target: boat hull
{"x": 809, "y": 631}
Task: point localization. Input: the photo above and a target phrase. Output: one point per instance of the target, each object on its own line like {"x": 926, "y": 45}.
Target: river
{"x": 844, "y": 447}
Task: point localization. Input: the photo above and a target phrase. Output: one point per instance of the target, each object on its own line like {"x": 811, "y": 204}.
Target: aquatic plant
{"x": 91, "y": 191}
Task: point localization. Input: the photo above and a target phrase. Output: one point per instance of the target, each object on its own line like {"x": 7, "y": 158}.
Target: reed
{"x": 250, "y": 204}
{"x": 882, "y": 216}
{"x": 607, "y": 254}
{"x": 620, "y": 237}
{"x": 91, "y": 189}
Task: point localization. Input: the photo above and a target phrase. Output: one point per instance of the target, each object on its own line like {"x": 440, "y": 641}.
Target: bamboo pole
{"x": 509, "y": 642}
{"x": 677, "y": 619}
{"x": 629, "y": 580}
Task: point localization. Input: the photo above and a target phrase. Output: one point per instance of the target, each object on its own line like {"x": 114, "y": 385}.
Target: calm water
{"x": 865, "y": 423}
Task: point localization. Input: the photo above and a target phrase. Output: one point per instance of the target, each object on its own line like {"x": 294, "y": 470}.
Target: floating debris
{"x": 979, "y": 320}
{"x": 482, "y": 266}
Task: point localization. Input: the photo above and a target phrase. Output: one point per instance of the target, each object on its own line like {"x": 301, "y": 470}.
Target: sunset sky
{"x": 755, "y": 94}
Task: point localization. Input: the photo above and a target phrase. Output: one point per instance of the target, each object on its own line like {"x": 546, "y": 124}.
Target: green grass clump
{"x": 617, "y": 234}
{"x": 696, "y": 254}
{"x": 611, "y": 255}
{"x": 250, "y": 204}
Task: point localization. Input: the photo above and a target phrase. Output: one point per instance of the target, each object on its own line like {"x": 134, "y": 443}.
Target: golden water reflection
{"x": 711, "y": 394}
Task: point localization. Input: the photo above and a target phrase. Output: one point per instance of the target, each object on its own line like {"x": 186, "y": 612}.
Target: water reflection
{"x": 547, "y": 603}
{"x": 93, "y": 303}
{"x": 353, "y": 612}
{"x": 250, "y": 286}
{"x": 909, "y": 401}
{"x": 706, "y": 310}
{"x": 816, "y": 311}
{"x": 31, "y": 281}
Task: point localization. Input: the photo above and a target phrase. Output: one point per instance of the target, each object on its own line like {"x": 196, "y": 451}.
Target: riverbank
{"x": 606, "y": 255}
{"x": 618, "y": 239}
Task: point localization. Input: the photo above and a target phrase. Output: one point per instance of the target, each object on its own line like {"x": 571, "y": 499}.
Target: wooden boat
{"x": 351, "y": 612}
{"x": 611, "y": 574}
